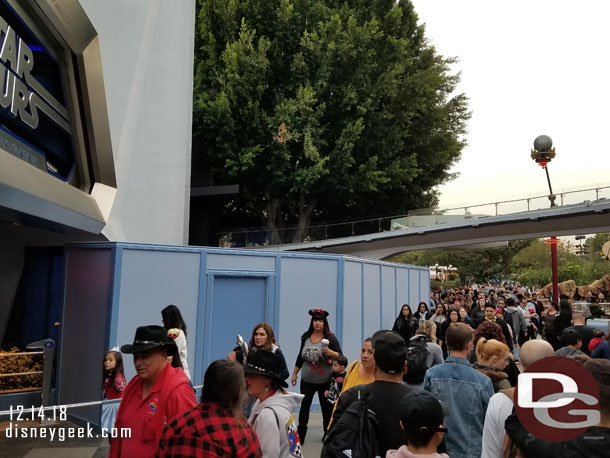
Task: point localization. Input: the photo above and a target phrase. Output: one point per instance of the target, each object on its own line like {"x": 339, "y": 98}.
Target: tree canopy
{"x": 471, "y": 265}
{"x": 528, "y": 261}
{"x": 321, "y": 109}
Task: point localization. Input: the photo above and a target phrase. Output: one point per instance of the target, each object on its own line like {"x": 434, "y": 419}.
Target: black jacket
{"x": 406, "y": 328}
{"x": 592, "y": 443}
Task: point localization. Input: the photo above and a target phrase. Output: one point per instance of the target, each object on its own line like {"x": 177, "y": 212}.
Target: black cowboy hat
{"x": 318, "y": 313}
{"x": 150, "y": 337}
{"x": 265, "y": 362}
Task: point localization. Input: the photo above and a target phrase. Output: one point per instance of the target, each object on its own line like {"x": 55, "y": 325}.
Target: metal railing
{"x": 415, "y": 218}
{"x": 42, "y": 348}
{"x": 21, "y": 374}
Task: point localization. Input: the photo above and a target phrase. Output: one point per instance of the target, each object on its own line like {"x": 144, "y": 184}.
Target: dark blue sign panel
{"x": 34, "y": 120}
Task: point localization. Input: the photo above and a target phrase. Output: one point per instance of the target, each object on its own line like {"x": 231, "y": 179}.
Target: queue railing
{"x": 46, "y": 350}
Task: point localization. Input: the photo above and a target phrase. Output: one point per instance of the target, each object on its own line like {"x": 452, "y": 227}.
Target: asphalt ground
{"x": 58, "y": 444}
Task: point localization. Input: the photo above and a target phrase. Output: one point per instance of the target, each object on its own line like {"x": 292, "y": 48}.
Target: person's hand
{"x": 326, "y": 394}
{"x": 293, "y": 380}
{"x": 328, "y": 352}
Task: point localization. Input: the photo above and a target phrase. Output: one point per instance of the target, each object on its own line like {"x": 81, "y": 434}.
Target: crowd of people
{"x": 439, "y": 383}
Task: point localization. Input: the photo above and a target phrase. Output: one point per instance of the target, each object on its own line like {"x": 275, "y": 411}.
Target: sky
{"x": 528, "y": 68}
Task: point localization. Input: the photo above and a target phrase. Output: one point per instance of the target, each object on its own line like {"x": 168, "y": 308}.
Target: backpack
{"x": 355, "y": 434}
{"x": 511, "y": 317}
{"x": 417, "y": 356}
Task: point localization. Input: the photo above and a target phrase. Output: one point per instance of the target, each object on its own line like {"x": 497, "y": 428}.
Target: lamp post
{"x": 580, "y": 238}
{"x": 543, "y": 153}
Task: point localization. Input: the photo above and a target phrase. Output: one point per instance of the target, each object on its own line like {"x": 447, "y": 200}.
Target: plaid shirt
{"x": 208, "y": 431}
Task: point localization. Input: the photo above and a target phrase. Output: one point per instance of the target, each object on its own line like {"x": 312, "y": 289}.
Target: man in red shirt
{"x": 154, "y": 397}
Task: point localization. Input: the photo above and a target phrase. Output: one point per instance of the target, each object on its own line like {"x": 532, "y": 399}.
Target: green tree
{"x": 535, "y": 276}
{"x": 594, "y": 270}
{"x": 537, "y": 255}
{"x": 596, "y": 243}
{"x": 471, "y": 265}
{"x": 321, "y": 110}
{"x": 528, "y": 261}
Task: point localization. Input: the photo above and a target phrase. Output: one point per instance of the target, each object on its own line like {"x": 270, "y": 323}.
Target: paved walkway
{"x": 97, "y": 447}
{"x": 313, "y": 444}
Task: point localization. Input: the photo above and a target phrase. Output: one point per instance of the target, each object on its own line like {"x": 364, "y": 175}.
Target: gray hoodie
{"x": 513, "y": 315}
{"x": 275, "y": 425}
{"x": 568, "y": 351}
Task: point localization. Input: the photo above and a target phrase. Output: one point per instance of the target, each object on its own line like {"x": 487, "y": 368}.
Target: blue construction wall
{"x": 222, "y": 292}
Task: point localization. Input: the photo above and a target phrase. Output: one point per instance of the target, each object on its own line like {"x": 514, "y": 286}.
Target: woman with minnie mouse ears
{"x": 318, "y": 348}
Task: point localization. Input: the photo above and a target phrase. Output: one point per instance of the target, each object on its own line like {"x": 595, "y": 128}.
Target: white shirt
{"x": 180, "y": 341}
{"x": 499, "y": 408}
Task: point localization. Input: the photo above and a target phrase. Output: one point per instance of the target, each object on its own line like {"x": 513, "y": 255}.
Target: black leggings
{"x": 309, "y": 389}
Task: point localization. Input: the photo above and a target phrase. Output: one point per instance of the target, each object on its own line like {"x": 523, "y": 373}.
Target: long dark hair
{"x": 224, "y": 384}
{"x": 400, "y": 315}
{"x": 118, "y": 367}
{"x": 172, "y": 318}
{"x": 419, "y": 306}
{"x": 177, "y": 361}
{"x": 565, "y": 308}
{"x": 565, "y": 315}
{"x": 442, "y": 308}
{"x": 326, "y": 331}
{"x": 270, "y": 336}
{"x": 459, "y": 318}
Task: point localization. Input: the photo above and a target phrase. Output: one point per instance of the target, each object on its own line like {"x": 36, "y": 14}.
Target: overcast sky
{"x": 529, "y": 68}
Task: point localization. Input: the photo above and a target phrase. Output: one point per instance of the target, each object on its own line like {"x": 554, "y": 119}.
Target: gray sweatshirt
{"x": 273, "y": 421}
{"x": 515, "y": 313}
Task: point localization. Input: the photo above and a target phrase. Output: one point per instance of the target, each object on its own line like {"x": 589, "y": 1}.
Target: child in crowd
{"x": 336, "y": 381}
{"x": 422, "y": 418}
{"x": 114, "y": 386}
{"x": 598, "y": 336}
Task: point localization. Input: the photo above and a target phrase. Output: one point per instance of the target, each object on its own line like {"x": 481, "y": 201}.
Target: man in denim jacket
{"x": 464, "y": 391}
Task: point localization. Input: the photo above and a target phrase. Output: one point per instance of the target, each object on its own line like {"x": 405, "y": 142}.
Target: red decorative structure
{"x": 553, "y": 241}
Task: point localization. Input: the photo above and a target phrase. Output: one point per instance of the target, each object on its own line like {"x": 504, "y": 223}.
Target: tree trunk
{"x": 305, "y": 214}
{"x": 274, "y": 237}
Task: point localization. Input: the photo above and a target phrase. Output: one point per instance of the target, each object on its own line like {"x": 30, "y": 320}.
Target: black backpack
{"x": 509, "y": 318}
{"x": 417, "y": 356}
{"x": 355, "y": 434}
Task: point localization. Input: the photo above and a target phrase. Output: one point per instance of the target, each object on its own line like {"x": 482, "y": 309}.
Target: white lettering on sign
{"x": 22, "y": 95}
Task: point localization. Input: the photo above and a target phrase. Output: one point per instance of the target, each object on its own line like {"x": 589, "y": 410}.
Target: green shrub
{"x": 438, "y": 285}
{"x": 541, "y": 276}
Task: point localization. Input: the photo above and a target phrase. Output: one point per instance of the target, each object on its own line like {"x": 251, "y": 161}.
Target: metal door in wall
{"x": 238, "y": 303}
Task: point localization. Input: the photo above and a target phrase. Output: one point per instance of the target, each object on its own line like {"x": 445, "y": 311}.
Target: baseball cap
{"x": 389, "y": 351}
{"x": 420, "y": 410}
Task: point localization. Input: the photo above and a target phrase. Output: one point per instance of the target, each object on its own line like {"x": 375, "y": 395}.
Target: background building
{"x": 123, "y": 72}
